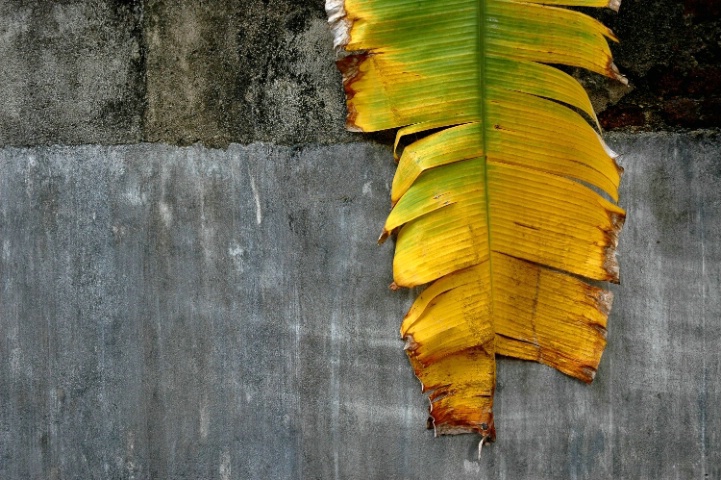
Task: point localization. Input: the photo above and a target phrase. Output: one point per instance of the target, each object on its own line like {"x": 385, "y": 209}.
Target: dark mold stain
{"x": 622, "y": 116}
{"x": 671, "y": 52}
{"x": 243, "y": 77}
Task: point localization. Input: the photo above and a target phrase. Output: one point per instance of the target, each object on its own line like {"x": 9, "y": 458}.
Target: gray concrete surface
{"x": 192, "y": 313}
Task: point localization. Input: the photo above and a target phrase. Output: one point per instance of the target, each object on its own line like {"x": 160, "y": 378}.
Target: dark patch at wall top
{"x": 72, "y": 72}
{"x": 239, "y": 71}
{"x": 670, "y": 50}
{"x": 115, "y": 71}
{"x": 264, "y": 71}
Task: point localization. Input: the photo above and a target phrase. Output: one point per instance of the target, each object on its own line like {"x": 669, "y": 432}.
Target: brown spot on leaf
{"x": 525, "y": 225}
{"x": 350, "y": 68}
{"x": 610, "y": 264}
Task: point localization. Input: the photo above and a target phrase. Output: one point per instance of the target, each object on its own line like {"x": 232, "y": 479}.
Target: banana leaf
{"x": 504, "y": 202}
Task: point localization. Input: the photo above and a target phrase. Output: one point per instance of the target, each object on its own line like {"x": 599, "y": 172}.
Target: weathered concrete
{"x": 671, "y": 52}
{"x": 183, "y": 71}
{"x": 191, "y": 313}
{"x": 239, "y": 71}
{"x": 72, "y": 72}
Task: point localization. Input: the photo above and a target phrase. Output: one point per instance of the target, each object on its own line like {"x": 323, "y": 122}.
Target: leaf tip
{"x": 619, "y": 168}
{"x": 383, "y": 237}
{"x": 608, "y": 149}
{"x": 613, "y": 72}
{"x": 589, "y": 374}
{"x": 351, "y": 126}
{"x": 486, "y": 429}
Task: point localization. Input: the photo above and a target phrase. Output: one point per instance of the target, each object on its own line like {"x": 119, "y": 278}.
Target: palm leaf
{"x": 506, "y": 207}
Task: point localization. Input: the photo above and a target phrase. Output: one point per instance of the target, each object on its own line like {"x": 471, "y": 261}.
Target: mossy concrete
{"x": 239, "y": 71}
{"x": 72, "y": 72}
{"x": 670, "y": 51}
{"x": 185, "y": 72}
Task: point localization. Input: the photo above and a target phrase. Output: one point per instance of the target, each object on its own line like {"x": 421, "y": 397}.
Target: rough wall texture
{"x": 239, "y": 71}
{"x": 72, "y": 72}
{"x": 671, "y": 52}
{"x": 198, "y": 312}
{"x": 189, "y": 313}
{"x": 183, "y": 72}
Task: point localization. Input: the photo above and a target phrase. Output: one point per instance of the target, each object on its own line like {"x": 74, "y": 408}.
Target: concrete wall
{"x": 194, "y": 312}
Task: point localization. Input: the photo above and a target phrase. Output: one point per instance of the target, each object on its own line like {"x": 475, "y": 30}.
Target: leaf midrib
{"x": 481, "y": 52}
